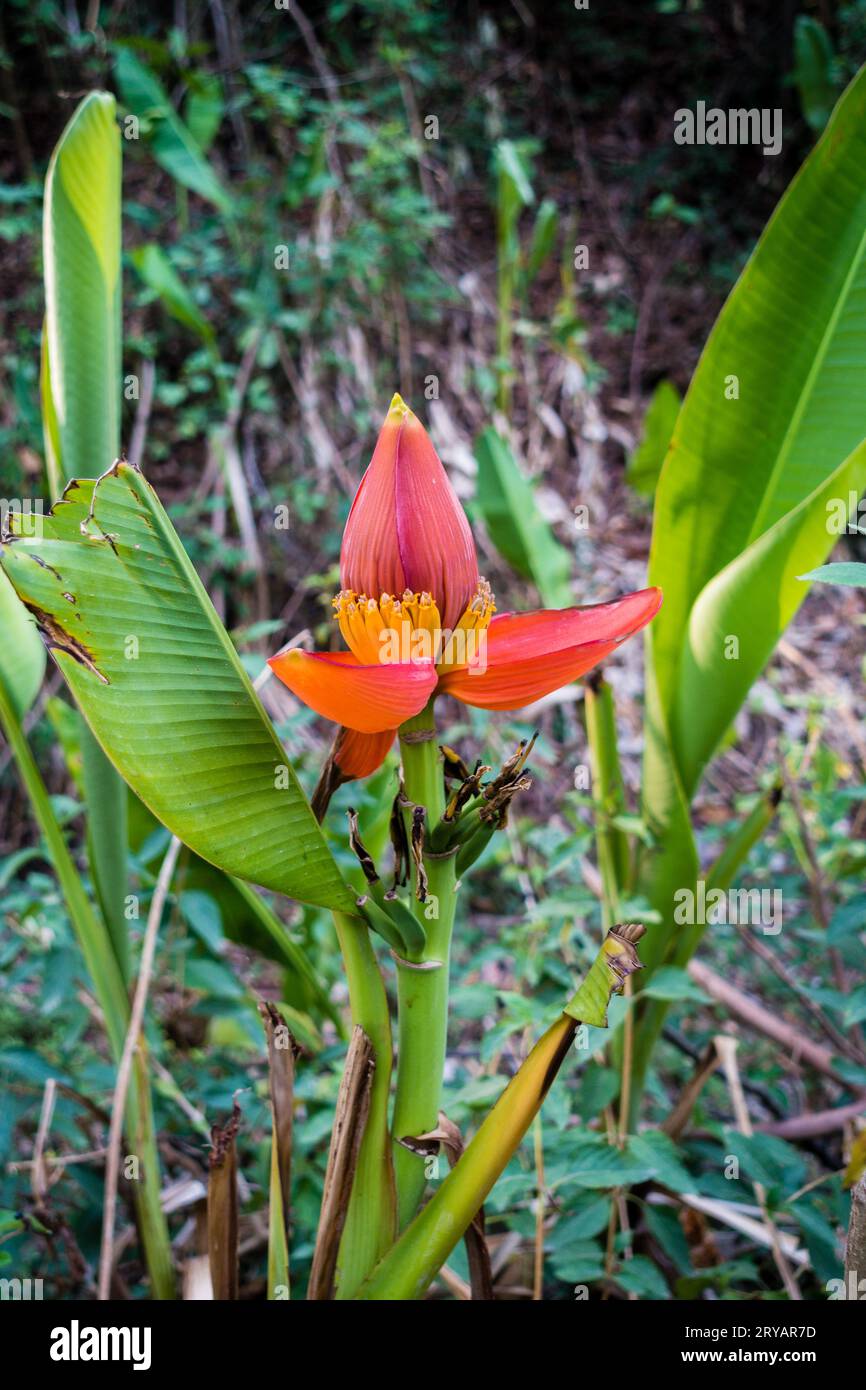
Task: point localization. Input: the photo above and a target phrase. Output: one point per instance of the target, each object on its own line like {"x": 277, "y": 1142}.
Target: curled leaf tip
{"x": 629, "y": 931}
{"x": 607, "y": 975}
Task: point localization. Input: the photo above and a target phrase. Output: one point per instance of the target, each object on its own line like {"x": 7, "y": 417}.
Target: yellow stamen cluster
{"x": 462, "y": 644}
{"x": 409, "y": 628}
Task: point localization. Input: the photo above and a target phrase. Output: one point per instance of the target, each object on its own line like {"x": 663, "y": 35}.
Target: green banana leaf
{"x": 155, "y": 674}
{"x": 793, "y": 334}
{"x": 81, "y": 372}
{"x": 81, "y": 244}
{"x": 752, "y": 600}
{"x": 766, "y": 446}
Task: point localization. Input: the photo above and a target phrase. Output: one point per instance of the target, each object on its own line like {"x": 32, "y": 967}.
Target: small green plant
{"x": 517, "y": 263}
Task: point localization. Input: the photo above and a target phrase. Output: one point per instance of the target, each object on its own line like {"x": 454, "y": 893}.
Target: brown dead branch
{"x": 796, "y": 1047}
{"x": 820, "y": 1122}
{"x": 678, "y": 1119}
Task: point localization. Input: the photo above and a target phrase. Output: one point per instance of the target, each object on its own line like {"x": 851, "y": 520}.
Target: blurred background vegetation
{"x": 479, "y": 205}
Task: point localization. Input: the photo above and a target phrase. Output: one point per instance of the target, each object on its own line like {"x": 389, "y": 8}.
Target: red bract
{"x": 418, "y": 620}
{"x": 406, "y": 528}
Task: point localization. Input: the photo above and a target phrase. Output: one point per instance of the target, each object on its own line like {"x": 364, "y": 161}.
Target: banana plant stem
{"x": 608, "y": 795}
{"x": 422, "y": 985}
{"x": 612, "y": 845}
{"x": 370, "y": 1220}
{"x": 422, "y": 1001}
{"x": 412, "y": 1262}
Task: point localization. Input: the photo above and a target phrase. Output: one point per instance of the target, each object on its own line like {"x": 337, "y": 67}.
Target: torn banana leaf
{"x": 134, "y": 633}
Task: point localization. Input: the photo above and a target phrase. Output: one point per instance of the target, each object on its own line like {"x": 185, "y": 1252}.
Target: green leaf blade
{"x": 737, "y": 466}
{"x": 81, "y": 248}
{"x": 159, "y": 682}
{"x": 645, "y": 464}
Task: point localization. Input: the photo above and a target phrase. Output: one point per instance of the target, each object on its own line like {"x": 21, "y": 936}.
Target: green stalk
{"x": 612, "y": 847}
{"x": 422, "y": 985}
{"x": 735, "y": 852}
{"x": 422, "y": 1001}
{"x": 370, "y": 1220}
{"x": 105, "y": 795}
{"x": 278, "y": 1248}
{"x": 505, "y": 301}
{"x": 151, "y": 1217}
{"x": 104, "y": 972}
{"x": 608, "y": 795}
{"x": 720, "y": 875}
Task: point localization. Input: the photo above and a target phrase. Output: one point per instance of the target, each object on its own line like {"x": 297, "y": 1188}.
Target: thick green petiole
{"x": 720, "y": 875}
{"x": 422, "y": 985}
{"x": 607, "y": 794}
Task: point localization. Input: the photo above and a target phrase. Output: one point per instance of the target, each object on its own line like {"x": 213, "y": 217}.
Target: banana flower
{"x": 419, "y": 621}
